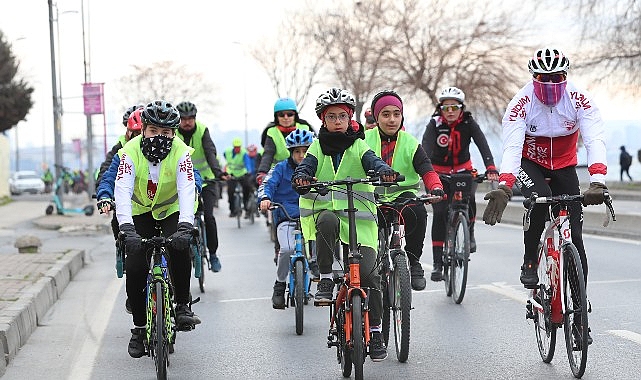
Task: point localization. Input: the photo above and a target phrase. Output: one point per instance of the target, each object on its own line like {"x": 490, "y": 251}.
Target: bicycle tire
{"x": 204, "y": 261}
{"x": 544, "y": 329}
{"x": 575, "y": 322}
{"x": 299, "y": 294}
{"x": 447, "y": 254}
{"x": 385, "y": 288}
{"x": 160, "y": 338}
{"x": 402, "y": 305}
{"x": 238, "y": 207}
{"x": 344, "y": 351}
{"x": 460, "y": 255}
{"x": 358, "y": 339}
{"x": 251, "y": 207}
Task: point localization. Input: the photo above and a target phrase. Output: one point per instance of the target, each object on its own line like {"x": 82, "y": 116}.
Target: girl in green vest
{"x": 155, "y": 184}
{"x": 340, "y": 152}
{"x": 404, "y": 154}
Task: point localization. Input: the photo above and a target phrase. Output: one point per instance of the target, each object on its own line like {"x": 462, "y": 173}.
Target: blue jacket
{"x": 278, "y": 188}
{"x": 108, "y": 180}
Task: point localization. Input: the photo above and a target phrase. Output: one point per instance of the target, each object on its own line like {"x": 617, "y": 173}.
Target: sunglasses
{"x": 453, "y": 107}
{"x": 550, "y": 78}
{"x": 288, "y": 114}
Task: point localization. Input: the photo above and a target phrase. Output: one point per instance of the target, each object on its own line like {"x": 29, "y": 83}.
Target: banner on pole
{"x": 92, "y": 94}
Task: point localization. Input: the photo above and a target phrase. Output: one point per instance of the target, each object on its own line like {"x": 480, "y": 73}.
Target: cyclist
{"x": 340, "y": 152}
{"x": 541, "y": 128}
{"x": 446, "y": 141}
{"x": 277, "y": 187}
{"x": 237, "y": 169}
{"x": 196, "y": 135}
{"x": 370, "y": 121}
{"x": 253, "y": 158}
{"x": 155, "y": 184}
{"x": 286, "y": 120}
{"x": 403, "y": 153}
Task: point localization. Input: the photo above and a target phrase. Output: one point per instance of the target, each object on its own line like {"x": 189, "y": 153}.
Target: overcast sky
{"x": 203, "y": 35}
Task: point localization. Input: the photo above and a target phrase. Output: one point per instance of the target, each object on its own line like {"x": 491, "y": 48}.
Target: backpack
{"x": 627, "y": 159}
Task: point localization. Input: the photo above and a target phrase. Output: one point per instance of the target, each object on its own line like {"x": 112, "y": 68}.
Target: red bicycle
{"x": 560, "y": 300}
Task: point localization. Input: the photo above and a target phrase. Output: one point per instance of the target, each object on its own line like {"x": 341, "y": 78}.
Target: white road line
{"x": 507, "y": 291}
{"x": 245, "y": 299}
{"x": 629, "y": 335}
{"x": 84, "y": 362}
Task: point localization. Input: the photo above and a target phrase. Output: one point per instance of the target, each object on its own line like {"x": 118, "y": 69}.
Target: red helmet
{"x": 134, "y": 123}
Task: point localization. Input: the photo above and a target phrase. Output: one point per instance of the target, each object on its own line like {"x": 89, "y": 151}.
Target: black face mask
{"x": 155, "y": 148}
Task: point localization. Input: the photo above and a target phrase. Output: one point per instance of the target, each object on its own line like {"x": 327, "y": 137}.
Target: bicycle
{"x": 299, "y": 279}
{"x": 252, "y": 206}
{"x": 560, "y": 297}
{"x": 456, "y": 252}
{"x": 395, "y": 275}
{"x": 349, "y": 310}
{"x": 198, "y": 248}
{"x": 237, "y": 200}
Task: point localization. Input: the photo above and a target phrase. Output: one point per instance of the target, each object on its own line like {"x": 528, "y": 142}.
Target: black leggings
{"x": 532, "y": 178}
{"x": 137, "y": 266}
{"x": 415, "y": 223}
{"x": 209, "y": 198}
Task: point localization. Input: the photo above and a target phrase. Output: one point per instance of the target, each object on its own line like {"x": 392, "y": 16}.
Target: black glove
{"x": 133, "y": 242}
{"x": 594, "y": 194}
{"x": 497, "y": 202}
{"x": 438, "y": 192}
{"x": 105, "y": 202}
{"x": 181, "y": 239}
{"x": 304, "y": 177}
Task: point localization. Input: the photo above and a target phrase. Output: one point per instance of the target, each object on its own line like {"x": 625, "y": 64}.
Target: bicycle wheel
{"x": 238, "y": 207}
{"x": 251, "y": 207}
{"x": 385, "y": 288}
{"x": 358, "y": 346}
{"x": 160, "y": 348}
{"x": 299, "y": 294}
{"x": 401, "y": 306}
{"x": 575, "y": 317}
{"x": 459, "y": 258}
{"x": 344, "y": 351}
{"x": 447, "y": 257}
{"x": 544, "y": 329}
{"x": 204, "y": 260}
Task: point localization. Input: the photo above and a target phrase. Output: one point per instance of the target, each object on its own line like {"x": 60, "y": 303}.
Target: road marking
{"x": 625, "y": 334}
{"x": 507, "y": 291}
{"x": 84, "y": 362}
{"x": 245, "y": 299}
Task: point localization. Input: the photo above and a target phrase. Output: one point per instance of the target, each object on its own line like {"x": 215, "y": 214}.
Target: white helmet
{"x": 548, "y": 60}
{"x": 452, "y": 93}
{"x": 334, "y": 96}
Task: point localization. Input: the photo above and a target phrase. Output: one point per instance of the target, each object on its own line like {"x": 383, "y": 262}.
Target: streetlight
{"x": 87, "y": 80}
{"x": 57, "y": 139}
{"x": 244, "y": 67}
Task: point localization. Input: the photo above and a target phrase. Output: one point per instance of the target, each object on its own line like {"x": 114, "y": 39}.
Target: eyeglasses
{"x": 332, "y": 117}
{"x": 288, "y": 114}
{"x": 550, "y": 78}
{"x": 452, "y": 107}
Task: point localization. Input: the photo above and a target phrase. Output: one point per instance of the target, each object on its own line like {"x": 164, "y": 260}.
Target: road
{"x": 85, "y": 334}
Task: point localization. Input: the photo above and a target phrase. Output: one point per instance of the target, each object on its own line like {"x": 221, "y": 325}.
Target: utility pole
{"x": 57, "y": 139}
{"x": 90, "y": 179}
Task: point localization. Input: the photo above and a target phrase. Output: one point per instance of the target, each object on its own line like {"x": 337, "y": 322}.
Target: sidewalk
{"x": 30, "y": 283}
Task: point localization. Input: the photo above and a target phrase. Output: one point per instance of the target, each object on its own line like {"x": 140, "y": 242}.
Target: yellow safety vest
{"x": 198, "y": 158}
{"x": 282, "y": 153}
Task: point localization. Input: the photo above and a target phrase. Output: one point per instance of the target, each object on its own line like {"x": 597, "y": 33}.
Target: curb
{"x": 19, "y": 320}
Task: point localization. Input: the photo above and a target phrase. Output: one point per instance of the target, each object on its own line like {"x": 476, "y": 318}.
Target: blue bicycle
{"x": 299, "y": 278}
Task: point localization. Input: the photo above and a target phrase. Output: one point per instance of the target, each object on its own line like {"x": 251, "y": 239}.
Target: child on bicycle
{"x": 278, "y": 188}
{"x": 447, "y": 141}
{"x": 341, "y": 152}
{"x": 155, "y": 185}
{"x": 403, "y": 153}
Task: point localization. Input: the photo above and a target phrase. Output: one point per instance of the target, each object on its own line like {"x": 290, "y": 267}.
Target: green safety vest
{"x": 122, "y": 140}
{"x": 198, "y": 158}
{"x": 236, "y": 164}
{"x": 165, "y": 201}
{"x": 282, "y": 153}
{"x": 402, "y": 162}
{"x": 312, "y": 203}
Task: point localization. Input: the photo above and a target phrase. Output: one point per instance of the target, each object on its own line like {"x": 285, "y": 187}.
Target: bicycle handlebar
{"x": 374, "y": 180}
{"x": 565, "y": 199}
{"x": 276, "y": 205}
{"x": 405, "y": 201}
{"x": 478, "y": 178}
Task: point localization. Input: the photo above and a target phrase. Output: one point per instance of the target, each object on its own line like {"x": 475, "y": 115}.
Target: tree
{"x": 611, "y": 31}
{"x": 165, "y": 80}
{"x": 15, "y": 93}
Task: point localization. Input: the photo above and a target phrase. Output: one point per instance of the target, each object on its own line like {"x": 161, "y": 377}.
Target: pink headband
{"x": 387, "y": 100}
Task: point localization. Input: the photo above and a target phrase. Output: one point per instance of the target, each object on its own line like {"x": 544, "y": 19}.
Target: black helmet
{"x": 162, "y": 114}
{"x": 187, "y": 109}
{"x": 125, "y": 116}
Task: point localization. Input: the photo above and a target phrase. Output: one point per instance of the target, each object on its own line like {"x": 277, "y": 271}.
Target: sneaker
{"x": 377, "y": 349}
{"x": 313, "y": 268}
{"x": 185, "y": 318}
{"x": 324, "y": 290}
{"x": 417, "y": 276}
{"x": 136, "y": 347}
{"x": 215, "y": 263}
{"x": 278, "y": 297}
{"x": 437, "y": 272}
{"x": 529, "y": 277}
{"x": 127, "y": 306}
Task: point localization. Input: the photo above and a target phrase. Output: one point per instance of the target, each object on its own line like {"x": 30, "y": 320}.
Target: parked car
{"x": 26, "y": 181}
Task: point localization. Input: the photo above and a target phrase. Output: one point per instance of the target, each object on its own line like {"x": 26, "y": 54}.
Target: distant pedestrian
{"x": 625, "y": 160}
